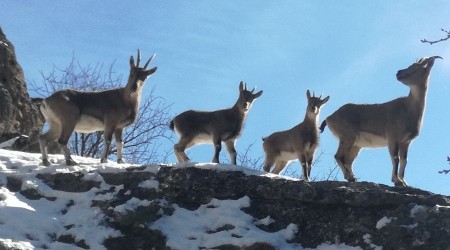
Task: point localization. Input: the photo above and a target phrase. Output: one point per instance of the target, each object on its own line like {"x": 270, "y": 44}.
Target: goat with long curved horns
{"x": 214, "y": 127}
{"x": 110, "y": 111}
{"x": 393, "y": 124}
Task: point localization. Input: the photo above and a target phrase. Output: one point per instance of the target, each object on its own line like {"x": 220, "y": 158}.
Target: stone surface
{"x": 356, "y": 214}
{"x": 18, "y": 115}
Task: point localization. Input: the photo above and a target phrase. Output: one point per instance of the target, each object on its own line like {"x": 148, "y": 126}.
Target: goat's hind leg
{"x": 344, "y": 159}
{"x": 179, "y": 149}
{"x": 279, "y": 166}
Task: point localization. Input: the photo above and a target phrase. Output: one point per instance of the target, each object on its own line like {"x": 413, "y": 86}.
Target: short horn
{"x": 253, "y": 89}
{"x": 149, "y": 60}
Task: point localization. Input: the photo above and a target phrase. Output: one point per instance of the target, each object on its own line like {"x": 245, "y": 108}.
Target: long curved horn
{"x": 138, "y": 60}
{"x": 427, "y": 60}
{"x": 149, "y": 60}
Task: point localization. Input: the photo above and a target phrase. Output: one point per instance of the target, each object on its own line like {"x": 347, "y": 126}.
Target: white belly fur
{"x": 203, "y": 139}
{"x": 367, "y": 140}
{"x": 287, "y": 156}
{"x": 89, "y": 124}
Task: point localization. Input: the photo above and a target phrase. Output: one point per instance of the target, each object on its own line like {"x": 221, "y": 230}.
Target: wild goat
{"x": 393, "y": 124}
{"x": 110, "y": 111}
{"x": 299, "y": 142}
{"x": 215, "y": 127}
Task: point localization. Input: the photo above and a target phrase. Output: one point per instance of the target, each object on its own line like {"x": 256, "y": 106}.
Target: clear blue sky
{"x": 349, "y": 50}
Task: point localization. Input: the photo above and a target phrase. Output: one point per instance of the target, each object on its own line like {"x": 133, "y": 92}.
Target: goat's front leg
{"x": 119, "y": 144}
{"x": 403, "y": 154}
{"x": 303, "y": 162}
{"x": 217, "y": 147}
{"x": 393, "y": 152}
{"x": 231, "y": 150}
{"x": 309, "y": 159}
{"x": 107, "y": 137}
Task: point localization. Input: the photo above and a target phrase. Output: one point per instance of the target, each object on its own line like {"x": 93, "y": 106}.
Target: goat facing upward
{"x": 393, "y": 124}
{"x": 299, "y": 142}
{"x": 214, "y": 127}
{"x": 110, "y": 111}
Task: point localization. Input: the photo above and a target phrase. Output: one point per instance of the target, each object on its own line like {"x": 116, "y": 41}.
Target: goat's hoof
{"x": 104, "y": 161}
{"x": 46, "y": 163}
{"x": 400, "y": 184}
{"x": 351, "y": 179}
{"x": 120, "y": 161}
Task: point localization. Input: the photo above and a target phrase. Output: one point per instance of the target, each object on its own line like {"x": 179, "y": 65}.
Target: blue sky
{"x": 349, "y": 50}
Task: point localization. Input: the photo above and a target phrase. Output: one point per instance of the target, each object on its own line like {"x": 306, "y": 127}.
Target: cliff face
{"x": 18, "y": 115}
{"x": 194, "y": 206}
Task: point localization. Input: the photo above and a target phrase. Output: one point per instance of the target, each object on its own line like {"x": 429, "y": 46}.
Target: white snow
{"x": 266, "y": 221}
{"x": 35, "y": 224}
{"x": 384, "y": 221}
{"x": 150, "y": 184}
{"x": 416, "y": 209}
{"x": 131, "y": 205}
{"x": 368, "y": 239}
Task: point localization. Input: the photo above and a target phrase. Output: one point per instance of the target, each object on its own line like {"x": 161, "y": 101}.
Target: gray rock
{"x": 18, "y": 115}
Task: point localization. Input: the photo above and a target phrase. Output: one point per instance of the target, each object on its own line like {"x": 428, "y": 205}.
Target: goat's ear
{"x": 258, "y": 94}
{"x": 132, "y": 62}
{"x": 151, "y": 71}
{"x": 241, "y": 86}
{"x": 308, "y": 94}
{"x": 325, "y": 100}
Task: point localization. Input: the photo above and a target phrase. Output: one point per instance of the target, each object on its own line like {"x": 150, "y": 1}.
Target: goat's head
{"x": 246, "y": 97}
{"x": 138, "y": 75}
{"x": 417, "y": 74}
{"x": 315, "y": 103}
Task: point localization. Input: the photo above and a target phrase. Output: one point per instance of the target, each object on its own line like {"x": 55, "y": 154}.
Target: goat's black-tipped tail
{"x": 172, "y": 125}
{"x": 263, "y": 138}
{"x": 322, "y": 126}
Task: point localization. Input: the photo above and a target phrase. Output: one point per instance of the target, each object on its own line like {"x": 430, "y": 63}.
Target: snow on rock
{"x": 218, "y": 223}
{"x": 194, "y": 205}
{"x": 384, "y": 221}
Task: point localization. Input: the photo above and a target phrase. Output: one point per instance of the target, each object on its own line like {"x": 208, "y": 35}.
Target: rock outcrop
{"x": 360, "y": 214}
{"x": 18, "y": 115}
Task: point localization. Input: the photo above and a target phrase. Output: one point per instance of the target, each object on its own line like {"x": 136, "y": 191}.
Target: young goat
{"x": 299, "y": 142}
{"x": 393, "y": 124}
{"x": 200, "y": 127}
{"x": 110, "y": 111}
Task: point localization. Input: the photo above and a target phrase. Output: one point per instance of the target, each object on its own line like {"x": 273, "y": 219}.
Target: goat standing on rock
{"x": 214, "y": 127}
{"x": 393, "y": 124}
{"x": 110, "y": 111}
{"x": 299, "y": 142}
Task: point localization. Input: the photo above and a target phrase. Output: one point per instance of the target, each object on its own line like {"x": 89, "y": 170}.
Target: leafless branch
{"x": 447, "y": 33}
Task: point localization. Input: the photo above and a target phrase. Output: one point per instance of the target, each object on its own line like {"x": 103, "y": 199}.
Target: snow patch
{"x": 416, "y": 209}
{"x": 217, "y": 223}
{"x": 150, "y": 184}
{"x": 384, "y": 221}
{"x": 131, "y": 205}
